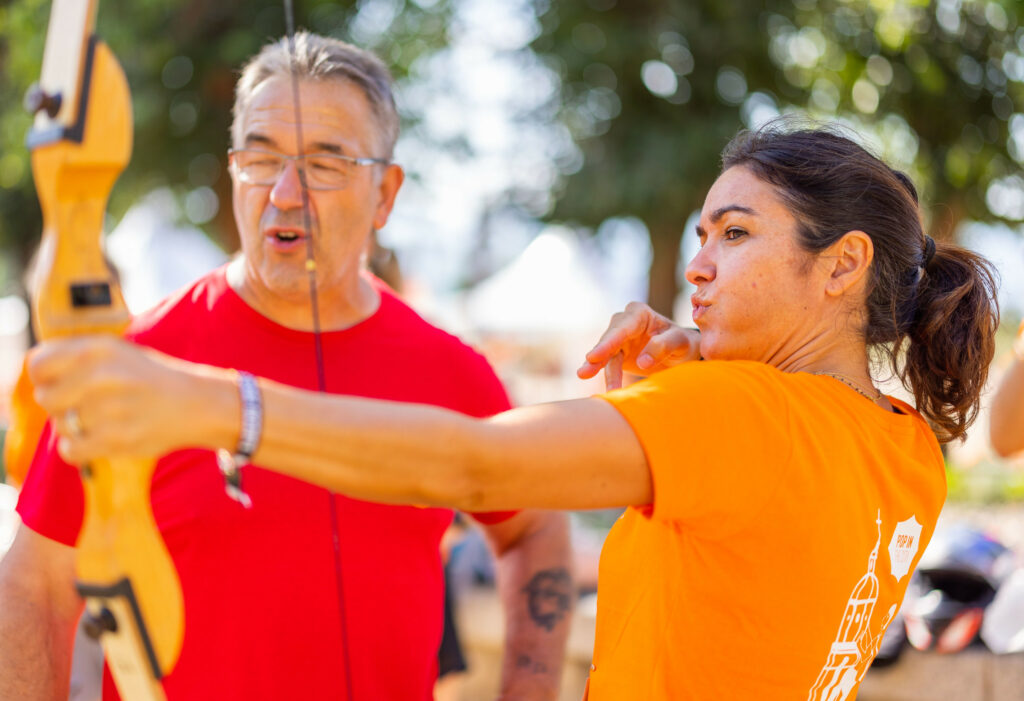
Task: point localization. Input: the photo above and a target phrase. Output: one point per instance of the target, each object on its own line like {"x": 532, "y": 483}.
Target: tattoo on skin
{"x": 526, "y": 663}
{"x": 549, "y": 597}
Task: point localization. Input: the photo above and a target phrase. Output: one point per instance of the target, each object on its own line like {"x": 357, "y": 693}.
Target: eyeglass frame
{"x": 363, "y": 161}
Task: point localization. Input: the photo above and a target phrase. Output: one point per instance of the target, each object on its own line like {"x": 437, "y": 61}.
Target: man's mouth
{"x": 285, "y": 236}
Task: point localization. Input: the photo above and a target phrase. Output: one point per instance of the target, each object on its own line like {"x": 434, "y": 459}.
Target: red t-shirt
{"x": 262, "y": 613}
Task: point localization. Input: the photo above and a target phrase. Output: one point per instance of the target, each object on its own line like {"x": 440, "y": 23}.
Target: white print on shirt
{"x": 856, "y": 644}
{"x": 903, "y": 546}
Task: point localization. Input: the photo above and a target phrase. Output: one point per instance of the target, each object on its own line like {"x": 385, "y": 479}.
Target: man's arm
{"x": 1006, "y": 422}
{"x": 538, "y": 595}
{"x": 39, "y": 609}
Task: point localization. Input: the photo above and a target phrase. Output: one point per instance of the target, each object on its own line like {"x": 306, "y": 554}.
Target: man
{"x": 305, "y": 595}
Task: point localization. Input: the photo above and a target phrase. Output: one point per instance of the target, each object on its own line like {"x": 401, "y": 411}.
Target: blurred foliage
{"x": 979, "y": 476}
{"x": 653, "y": 90}
{"x": 988, "y": 482}
{"x": 650, "y": 91}
{"x": 181, "y": 60}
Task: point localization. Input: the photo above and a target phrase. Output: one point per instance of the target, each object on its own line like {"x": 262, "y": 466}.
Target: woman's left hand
{"x": 641, "y": 342}
{"x": 107, "y": 397}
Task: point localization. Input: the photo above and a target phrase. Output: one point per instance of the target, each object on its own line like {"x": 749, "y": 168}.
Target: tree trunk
{"x": 662, "y": 286}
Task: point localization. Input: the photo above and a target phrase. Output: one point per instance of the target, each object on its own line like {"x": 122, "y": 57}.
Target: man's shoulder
{"x": 396, "y": 314}
{"x": 470, "y": 381}
{"x": 178, "y": 312}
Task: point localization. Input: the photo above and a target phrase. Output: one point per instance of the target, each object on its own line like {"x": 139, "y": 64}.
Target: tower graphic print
{"x": 855, "y": 644}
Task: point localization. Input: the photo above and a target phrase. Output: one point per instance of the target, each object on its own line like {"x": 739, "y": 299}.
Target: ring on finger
{"x": 73, "y": 423}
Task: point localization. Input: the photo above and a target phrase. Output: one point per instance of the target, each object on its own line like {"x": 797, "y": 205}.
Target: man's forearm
{"x": 35, "y": 652}
{"x": 538, "y": 595}
{"x": 38, "y": 612}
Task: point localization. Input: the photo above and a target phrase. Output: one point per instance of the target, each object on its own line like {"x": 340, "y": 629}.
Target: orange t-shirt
{"x": 788, "y": 514}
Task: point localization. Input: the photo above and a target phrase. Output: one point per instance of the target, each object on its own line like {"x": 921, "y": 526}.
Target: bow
{"x": 81, "y": 141}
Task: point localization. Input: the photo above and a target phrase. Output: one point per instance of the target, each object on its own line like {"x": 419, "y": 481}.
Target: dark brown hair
{"x": 933, "y": 317}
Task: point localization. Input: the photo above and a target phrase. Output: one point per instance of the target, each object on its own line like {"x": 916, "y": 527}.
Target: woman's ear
{"x": 849, "y": 259}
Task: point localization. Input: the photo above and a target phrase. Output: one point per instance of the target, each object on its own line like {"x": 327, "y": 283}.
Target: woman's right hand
{"x": 640, "y": 341}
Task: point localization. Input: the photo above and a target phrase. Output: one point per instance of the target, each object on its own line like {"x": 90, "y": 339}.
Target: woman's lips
{"x": 699, "y": 308}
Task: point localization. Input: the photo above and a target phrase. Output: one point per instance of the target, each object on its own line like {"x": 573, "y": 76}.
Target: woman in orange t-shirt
{"x": 778, "y": 501}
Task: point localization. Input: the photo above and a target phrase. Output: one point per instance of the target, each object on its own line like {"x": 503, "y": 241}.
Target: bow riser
{"x": 77, "y": 292}
{"x": 81, "y": 143}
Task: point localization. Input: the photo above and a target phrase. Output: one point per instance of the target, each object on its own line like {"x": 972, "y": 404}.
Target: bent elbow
{"x": 1006, "y": 446}
{"x": 1006, "y": 439}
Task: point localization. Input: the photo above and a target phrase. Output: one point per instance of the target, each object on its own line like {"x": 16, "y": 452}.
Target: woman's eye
{"x": 733, "y": 234}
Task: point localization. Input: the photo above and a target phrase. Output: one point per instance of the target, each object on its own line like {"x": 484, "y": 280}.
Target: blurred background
{"x": 557, "y": 153}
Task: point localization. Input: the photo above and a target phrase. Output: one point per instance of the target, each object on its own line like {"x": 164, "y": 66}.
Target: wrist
{"x": 694, "y": 336}
{"x": 218, "y": 403}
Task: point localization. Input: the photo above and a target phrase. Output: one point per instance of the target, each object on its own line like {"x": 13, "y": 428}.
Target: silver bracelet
{"x": 229, "y": 463}
{"x": 252, "y": 416}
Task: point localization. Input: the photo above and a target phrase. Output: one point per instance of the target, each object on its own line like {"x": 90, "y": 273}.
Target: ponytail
{"x": 950, "y": 341}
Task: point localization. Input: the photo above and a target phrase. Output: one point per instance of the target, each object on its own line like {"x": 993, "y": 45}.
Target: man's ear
{"x": 849, "y": 259}
{"x": 390, "y": 183}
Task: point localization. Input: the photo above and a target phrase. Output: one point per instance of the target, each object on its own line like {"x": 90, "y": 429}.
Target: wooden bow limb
{"x": 81, "y": 142}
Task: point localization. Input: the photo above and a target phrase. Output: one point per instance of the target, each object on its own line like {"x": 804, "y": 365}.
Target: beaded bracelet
{"x": 229, "y": 463}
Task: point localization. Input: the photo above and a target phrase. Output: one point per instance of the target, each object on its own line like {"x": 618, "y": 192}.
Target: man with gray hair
{"x": 302, "y": 594}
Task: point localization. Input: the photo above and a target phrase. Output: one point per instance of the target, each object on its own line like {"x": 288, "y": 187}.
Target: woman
{"x": 778, "y": 500}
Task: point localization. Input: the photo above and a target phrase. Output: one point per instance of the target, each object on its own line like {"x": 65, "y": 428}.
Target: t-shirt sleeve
{"x": 482, "y": 393}
{"x": 716, "y": 438}
{"x": 51, "y": 502}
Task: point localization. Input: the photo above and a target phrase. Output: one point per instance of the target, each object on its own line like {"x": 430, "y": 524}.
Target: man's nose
{"x": 287, "y": 191}
{"x": 702, "y": 267}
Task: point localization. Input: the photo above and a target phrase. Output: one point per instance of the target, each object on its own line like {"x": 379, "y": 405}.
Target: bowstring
{"x": 311, "y": 271}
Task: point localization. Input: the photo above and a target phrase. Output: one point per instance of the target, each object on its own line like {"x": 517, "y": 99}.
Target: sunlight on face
{"x": 336, "y": 119}
{"x": 757, "y": 298}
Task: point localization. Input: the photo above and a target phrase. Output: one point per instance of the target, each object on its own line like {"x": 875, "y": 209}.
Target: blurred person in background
{"x": 778, "y": 501}
{"x": 307, "y": 594}
{"x": 1006, "y": 420}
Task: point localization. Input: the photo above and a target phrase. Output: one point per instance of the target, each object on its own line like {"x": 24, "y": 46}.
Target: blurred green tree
{"x": 181, "y": 59}
{"x": 653, "y": 90}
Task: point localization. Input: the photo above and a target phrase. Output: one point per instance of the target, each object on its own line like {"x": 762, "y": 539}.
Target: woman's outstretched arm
{"x": 128, "y": 400}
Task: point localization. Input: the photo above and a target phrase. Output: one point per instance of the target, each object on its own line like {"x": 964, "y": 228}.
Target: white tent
{"x": 538, "y": 316}
{"x": 547, "y": 292}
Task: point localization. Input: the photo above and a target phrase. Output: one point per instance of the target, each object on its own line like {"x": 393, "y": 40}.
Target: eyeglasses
{"x": 324, "y": 171}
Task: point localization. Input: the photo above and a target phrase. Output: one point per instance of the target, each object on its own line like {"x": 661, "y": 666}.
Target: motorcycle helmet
{"x": 957, "y": 578}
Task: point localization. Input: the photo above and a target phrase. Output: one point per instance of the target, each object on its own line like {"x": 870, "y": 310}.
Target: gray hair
{"x": 322, "y": 58}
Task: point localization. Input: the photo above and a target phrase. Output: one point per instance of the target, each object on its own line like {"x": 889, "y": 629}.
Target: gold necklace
{"x": 853, "y": 385}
